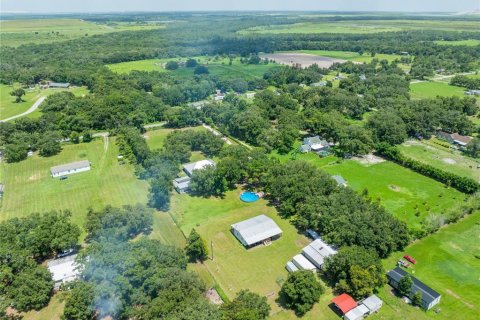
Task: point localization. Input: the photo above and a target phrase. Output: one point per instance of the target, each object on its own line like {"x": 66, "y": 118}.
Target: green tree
{"x": 473, "y": 148}
{"x": 171, "y": 65}
{"x": 15, "y": 152}
{"x": 208, "y": 182}
{"x": 405, "y": 286}
{"x": 246, "y": 306}
{"x": 75, "y": 137}
{"x": 196, "y": 248}
{"x": 31, "y": 289}
{"x": 49, "y": 144}
{"x": 201, "y": 70}
{"x": 87, "y": 137}
{"x": 191, "y": 63}
{"x": 18, "y": 94}
{"x": 79, "y": 304}
{"x": 301, "y": 291}
{"x": 417, "y": 299}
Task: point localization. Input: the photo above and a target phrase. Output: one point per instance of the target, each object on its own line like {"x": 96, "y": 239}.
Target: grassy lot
{"x": 363, "y": 26}
{"x": 9, "y": 108}
{"x": 353, "y": 56}
{"x": 23, "y": 31}
{"x": 216, "y": 65}
{"x": 448, "y": 262}
{"x": 261, "y": 269}
{"x": 430, "y": 89}
{"x": 29, "y": 187}
{"x": 443, "y": 159}
{"x": 156, "y": 138}
{"x": 53, "y": 311}
{"x": 470, "y": 43}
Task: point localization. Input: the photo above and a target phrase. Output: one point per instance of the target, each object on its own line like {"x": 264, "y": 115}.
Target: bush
{"x": 171, "y": 65}
{"x": 301, "y": 291}
{"x": 201, "y": 70}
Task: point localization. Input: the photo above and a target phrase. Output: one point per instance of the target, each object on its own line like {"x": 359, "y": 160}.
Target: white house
{"x": 63, "y": 270}
{"x": 303, "y": 263}
{"x": 317, "y": 251}
{"x": 256, "y": 230}
{"x": 356, "y": 313}
{"x": 70, "y": 168}
{"x": 189, "y": 168}
{"x": 373, "y": 303}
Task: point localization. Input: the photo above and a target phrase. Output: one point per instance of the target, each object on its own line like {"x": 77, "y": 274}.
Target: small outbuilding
{"x": 182, "y": 184}
{"x": 256, "y": 230}
{"x": 291, "y": 267}
{"x": 303, "y": 263}
{"x": 63, "y": 270}
{"x": 60, "y": 85}
{"x": 373, "y": 303}
{"x": 316, "y": 144}
{"x": 70, "y": 168}
{"x": 189, "y": 168}
{"x": 344, "y": 303}
{"x": 340, "y": 180}
{"x": 317, "y": 251}
{"x": 356, "y": 313}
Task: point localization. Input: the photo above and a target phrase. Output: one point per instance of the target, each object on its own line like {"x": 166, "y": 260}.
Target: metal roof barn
{"x": 257, "y": 229}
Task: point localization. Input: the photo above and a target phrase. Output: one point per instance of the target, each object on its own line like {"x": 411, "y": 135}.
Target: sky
{"x": 63, "y": 6}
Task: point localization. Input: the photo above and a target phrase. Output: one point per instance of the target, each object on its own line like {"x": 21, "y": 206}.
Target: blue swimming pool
{"x": 249, "y": 196}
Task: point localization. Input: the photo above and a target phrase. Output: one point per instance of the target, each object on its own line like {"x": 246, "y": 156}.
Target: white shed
{"x": 302, "y": 263}
{"x": 373, "y": 303}
{"x": 356, "y": 313}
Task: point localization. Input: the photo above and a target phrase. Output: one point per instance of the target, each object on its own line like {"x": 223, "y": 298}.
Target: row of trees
{"x": 466, "y": 82}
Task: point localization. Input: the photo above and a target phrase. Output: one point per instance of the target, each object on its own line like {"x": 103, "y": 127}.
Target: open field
{"x": 156, "y": 138}
{"x": 440, "y": 158}
{"x": 352, "y": 56}
{"x": 30, "y": 188}
{"x": 470, "y": 43}
{"x": 53, "y": 311}
{"x": 448, "y": 262}
{"x": 9, "y": 108}
{"x": 23, "y": 31}
{"x": 216, "y": 65}
{"x": 304, "y": 59}
{"x": 362, "y": 26}
{"x": 431, "y": 89}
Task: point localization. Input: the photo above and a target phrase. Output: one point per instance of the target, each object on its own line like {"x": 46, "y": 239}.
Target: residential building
{"x": 60, "y": 85}
{"x": 430, "y": 297}
{"x": 344, "y": 303}
{"x": 454, "y": 138}
{"x": 356, "y": 313}
{"x": 70, "y": 168}
{"x": 256, "y": 230}
{"x": 303, "y": 263}
{"x": 316, "y": 144}
{"x": 373, "y": 303}
{"x": 182, "y": 184}
{"x": 189, "y": 168}
{"x": 63, "y": 270}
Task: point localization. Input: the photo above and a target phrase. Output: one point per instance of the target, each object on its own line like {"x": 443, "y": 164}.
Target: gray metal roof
{"x": 303, "y": 263}
{"x": 373, "y": 302}
{"x": 198, "y": 165}
{"x": 317, "y": 251}
{"x": 356, "y": 313}
{"x": 70, "y": 166}
{"x": 182, "y": 183}
{"x": 428, "y": 294}
{"x": 339, "y": 179}
{"x": 257, "y": 229}
{"x": 59, "y": 84}
{"x": 63, "y": 269}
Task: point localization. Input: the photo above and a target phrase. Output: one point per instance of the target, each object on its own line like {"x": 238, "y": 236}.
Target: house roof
{"x": 428, "y": 294}
{"x": 303, "y": 263}
{"x": 317, "y": 251}
{"x": 339, "y": 180}
{"x": 257, "y": 229}
{"x": 291, "y": 267}
{"x": 463, "y": 140}
{"x": 372, "y": 302}
{"x": 63, "y": 269}
{"x": 59, "y": 84}
{"x": 70, "y": 166}
{"x": 356, "y": 313}
{"x": 182, "y": 183}
{"x": 304, "y": 148}
{"x": 344, "y": 302}
{"x": 199, "y": 165}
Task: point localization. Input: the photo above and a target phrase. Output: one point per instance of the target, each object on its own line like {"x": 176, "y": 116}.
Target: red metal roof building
{"x": 344, "y": 302}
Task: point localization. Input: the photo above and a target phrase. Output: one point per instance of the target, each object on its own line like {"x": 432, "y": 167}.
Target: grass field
{"x": 23, "y": 31}
{"x": 448, "y": 262}
{"x": 363, "y": 26}
{"x": 216, "y": 66}
{"x": 442, "y": 159}
{"x": 156, "y": 138}
{"x": 53, "y": 311}
{"x": 9, "y": 108}
{"x": 29, "y": 187}
{"x": 353, "y": 56}
{"x": 431, "y": 89}
{"x": 470, "y": 43}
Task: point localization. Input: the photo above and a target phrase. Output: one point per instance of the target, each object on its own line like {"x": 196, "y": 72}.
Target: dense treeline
{"x": 466, "y": 82}
{"x": 24, "y": 243}
{"x": 463, "y": 184}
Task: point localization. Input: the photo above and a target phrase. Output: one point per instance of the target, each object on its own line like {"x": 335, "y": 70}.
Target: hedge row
{"x": 463, "y": 184}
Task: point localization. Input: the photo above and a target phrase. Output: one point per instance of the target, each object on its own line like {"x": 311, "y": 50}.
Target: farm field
{"x": 23, "y": 31}
{"x": 216, "y": 66}
{"x": 359, "y": 27}
{"x": 9, "y": 108}
{"x": 470, "y": 42}
{"x": 441, "y": 158}
{"x": 448, "y": 262}
{"x": 353, "y": 56}
{"x": 431, "y": 89}
{"x": 30, "y": 188}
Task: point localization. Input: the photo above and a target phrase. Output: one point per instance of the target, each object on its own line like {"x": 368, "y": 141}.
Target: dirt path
{"x": 30, "y": 110}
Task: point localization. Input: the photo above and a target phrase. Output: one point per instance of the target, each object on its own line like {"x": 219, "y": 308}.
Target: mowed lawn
{"x": 469, "y": 42}
{"x": 441, "y": 158}
{"x": 449, "y": 262}
{"x": 30, "y": 188}
{"x": 156, "y": 137}
{"x": 431, "y": 89}
{"x": 216, "y": 66}
{"x": 9, "y": 108}
{"x": 260, "y": 269}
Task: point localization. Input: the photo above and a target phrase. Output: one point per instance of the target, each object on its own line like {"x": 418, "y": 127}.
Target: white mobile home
{"x": 70, "y": 168}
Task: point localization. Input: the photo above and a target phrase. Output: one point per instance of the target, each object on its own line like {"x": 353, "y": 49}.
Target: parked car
{"x": 65, "y": 253}
{"x": 403, "y": 263}
{"x": 410, "y": 259}
{"x": 312, "y": 234}
{"x": 63, "y": 178}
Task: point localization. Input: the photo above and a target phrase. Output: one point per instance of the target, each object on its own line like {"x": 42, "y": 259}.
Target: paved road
{"x": 32, "y": 108}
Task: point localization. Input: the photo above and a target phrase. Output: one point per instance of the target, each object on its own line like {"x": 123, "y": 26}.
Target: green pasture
{"x": 469, "y": 42}
{"x": 431, "y": 89}
{"x": 353, "y": 56}
{"x": 24, "y": 31}
{"x": 156, "y": 138}
{"x": 30, "y": 188}
{"x": 363, "y": 26}
{"x": 9, "y": 108}
{"x": 448, "y": 261}
{"x": 442, "y": 158}
{"x": 216, "y": 65}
